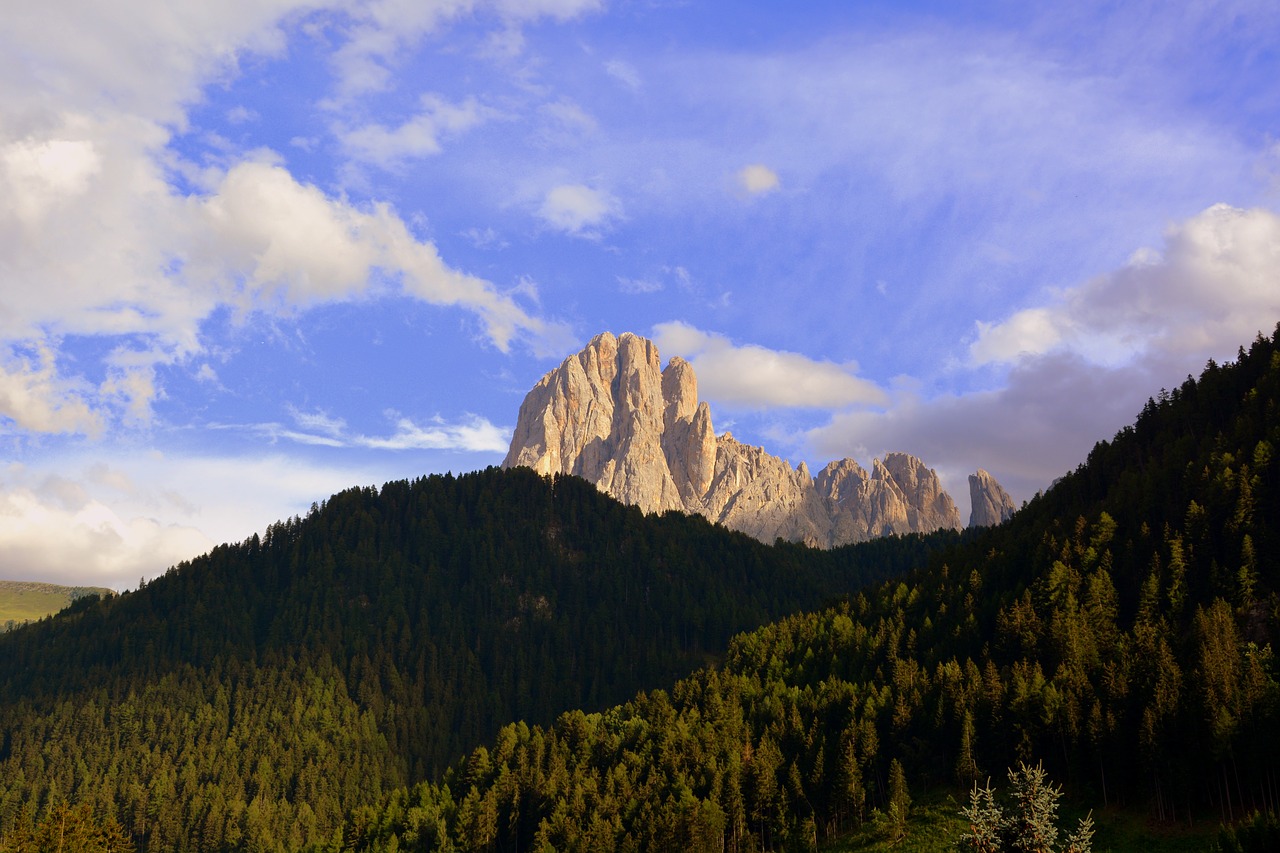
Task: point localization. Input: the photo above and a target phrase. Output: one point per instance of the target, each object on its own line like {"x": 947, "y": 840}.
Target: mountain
{"x": 614, "y": 417}
{"x": 25, "y": 601}
{"x": 258, "y": 695}
{"x": 304, "y": 689}
{"x": 1119, "y": 630}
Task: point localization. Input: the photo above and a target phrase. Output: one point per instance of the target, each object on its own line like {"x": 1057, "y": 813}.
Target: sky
{"x": 255, "y": 252}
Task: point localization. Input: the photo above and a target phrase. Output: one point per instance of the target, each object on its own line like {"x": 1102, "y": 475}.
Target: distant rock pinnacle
{"x": 612, "y": 416}
{"x": 991, "y": 504}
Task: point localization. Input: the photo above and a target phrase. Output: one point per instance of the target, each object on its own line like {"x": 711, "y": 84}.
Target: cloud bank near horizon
{"x": 1080, "y": 367}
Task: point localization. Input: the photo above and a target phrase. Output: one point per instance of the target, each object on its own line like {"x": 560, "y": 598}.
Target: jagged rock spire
{"x": 991, "y": 503}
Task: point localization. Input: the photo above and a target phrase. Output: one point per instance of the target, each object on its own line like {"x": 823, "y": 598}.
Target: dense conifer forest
{"x": 396, "y": 670}
{"x": 255, "y": 696}
{"x": 1119, "y": 632}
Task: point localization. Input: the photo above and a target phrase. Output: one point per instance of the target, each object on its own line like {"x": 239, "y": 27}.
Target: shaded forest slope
{"x": 259, "y": 693}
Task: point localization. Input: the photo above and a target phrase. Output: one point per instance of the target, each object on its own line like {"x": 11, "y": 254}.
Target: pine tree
{"x": 1033, "y": 827}
{"x": 899, "y": 800}
{"x": 984, "y": 817}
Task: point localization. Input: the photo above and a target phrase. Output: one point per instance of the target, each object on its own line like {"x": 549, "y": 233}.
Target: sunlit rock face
{"x": 991, "y": 503}
{"x": 612, "y": 415}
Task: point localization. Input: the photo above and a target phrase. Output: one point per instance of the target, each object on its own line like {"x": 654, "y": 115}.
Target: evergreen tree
{"x": 899, "y": 801}
{"x": 1028, "y": 823}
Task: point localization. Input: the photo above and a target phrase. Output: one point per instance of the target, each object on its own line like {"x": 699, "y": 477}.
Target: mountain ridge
{"x": 613, "y": 416}
{"x": 1119, "y": 632}
{"x": 270, "y": 688}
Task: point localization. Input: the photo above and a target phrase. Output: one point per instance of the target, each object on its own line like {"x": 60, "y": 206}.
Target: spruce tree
{"x": 1028, "y": 823}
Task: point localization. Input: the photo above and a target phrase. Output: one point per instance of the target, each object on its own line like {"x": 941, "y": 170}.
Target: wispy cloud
{"x": 419, "y": 136}
{"x": 473, "y": 435}
{"x": 639, "y": 285}
{"x": 470, "y": 434}
{"x": 378, "y": 33}
{"x": 624, "y": 72}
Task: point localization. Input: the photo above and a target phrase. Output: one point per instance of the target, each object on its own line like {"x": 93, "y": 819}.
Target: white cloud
{"x": 138, "y": 57}
{"x": 272, "y": 242}
{"x": 485, "y": 238}
{"x": 1216, "y": 280}
{"x": 578, "y": 209}
{"x": 92, "y": 544}
{"x": 474, "y": 435}
{"x": 258, "y": 241}
{"x": 1030, "y": 332}
{"x": 758, "y": 179}
{"x": 98, "y": 242}
{"x": 34, "y": 398}
{"x": 755, "y": 377}
{"x": 131, "y": 385}
{"x": 40, "y": 174}
{"x": 418, "y": 137}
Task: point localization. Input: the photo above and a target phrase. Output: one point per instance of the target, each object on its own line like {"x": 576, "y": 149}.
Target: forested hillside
{"x": 291, "y": 691}
{"x": 255, "y": 696}
{"x": 1120, "y": 629}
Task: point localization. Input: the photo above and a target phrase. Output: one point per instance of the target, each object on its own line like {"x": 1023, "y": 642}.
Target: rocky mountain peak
{"x": 612, "y": 415}
{"x": 991, "y": 503}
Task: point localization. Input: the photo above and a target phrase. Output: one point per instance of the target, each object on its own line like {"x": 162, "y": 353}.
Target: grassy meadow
{"x": 23, "y": 601}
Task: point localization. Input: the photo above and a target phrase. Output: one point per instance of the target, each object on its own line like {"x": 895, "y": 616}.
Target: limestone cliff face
{"x": 601, "y": 416}
{"x": 763, "y": 496}
{"x": 991, "y": 503}
{"x": 900, "y": 495}
{"x": 613, "y": 416}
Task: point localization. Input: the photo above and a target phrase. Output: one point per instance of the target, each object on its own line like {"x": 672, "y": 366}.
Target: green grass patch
{"x": 934, "y": 824}
{"x": 21, "y": 601}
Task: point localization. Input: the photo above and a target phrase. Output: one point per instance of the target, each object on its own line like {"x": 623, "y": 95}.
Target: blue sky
{"x": 254, "y": 252}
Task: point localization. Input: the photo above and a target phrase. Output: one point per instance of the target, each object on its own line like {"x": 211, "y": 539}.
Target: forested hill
{"x": 1120, "y": 629}
{"x": 259, "y": 693}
